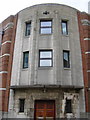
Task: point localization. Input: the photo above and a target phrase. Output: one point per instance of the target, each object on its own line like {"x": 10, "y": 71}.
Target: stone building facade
{"x": 48, "y": 76}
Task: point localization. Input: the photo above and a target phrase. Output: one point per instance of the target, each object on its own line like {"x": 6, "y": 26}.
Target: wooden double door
{"x": 44, "y": 110}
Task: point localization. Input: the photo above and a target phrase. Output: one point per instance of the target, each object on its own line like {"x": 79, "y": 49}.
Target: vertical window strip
{"x": 21, "y": 105}
{"x": 68, "y": 106}
{"x": 28, "y": 28}
{"x": 64, "y": 25}
{"x": 25, "y": 59}
{"x": 66, "y": 59}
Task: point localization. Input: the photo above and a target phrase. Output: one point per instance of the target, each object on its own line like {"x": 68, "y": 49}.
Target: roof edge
{"x": 37, "y": 5}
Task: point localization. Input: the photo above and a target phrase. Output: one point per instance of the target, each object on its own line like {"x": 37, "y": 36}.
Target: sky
{"x": 11, "y": 7}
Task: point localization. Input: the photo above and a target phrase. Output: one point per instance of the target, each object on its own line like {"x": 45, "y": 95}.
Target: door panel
{"x": 44, "y": 110}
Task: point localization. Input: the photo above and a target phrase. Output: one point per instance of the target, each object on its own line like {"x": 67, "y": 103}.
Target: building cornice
{"x": 46, "y": 86}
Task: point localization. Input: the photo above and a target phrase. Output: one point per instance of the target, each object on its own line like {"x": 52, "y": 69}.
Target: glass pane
{"x": 66, "y": 56}
{"x": 28, "y": 27}
{"x": 25, "y": 61}
{"x": 46, "y": 23}
{"x": 46, "y": 63}
{"x": 66, "y": 59}
{"x": 46, "y": 30}
{"x": 64, "y": 28}
{"x": 66, "y": 64}
{"x": 46, "y": 54}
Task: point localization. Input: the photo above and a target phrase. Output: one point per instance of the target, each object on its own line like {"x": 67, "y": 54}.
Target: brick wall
{"x": 6, "y": 57}
{"x": 84, "y": 29}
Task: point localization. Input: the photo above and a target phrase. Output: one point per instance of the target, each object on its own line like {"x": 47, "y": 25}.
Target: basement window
{"x": 25, "y": 59}
{"x": 68, "y": 107}
{"x": 21, "y": 105}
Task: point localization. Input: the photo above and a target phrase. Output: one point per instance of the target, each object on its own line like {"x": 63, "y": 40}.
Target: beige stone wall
{"x": 58, "y": 95}
{"x": 55, "y": 41}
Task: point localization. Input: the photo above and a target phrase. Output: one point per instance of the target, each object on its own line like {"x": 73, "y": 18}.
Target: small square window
{"x": 21, "y": 105}
{"x": 25, "y": 59}
{"x": 45, "y": 58}
{"x": 66, "y": 59}
{"x": 46, "y": 26}
{"x": 28, "y": 28}
{"x": 64, "y": 27}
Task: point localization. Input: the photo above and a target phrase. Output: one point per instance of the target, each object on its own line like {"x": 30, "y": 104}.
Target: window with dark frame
{"x": 45, "y": 26}
{"x": 64, "y": 25}
{"x": 21, "y": 105}
{"x": 68, "y": 106}
{"x": 25, "y": 59}
{"x": 66, "y": 59}
{"x": 28, "y": 28}
{"x": 45, "y": 58}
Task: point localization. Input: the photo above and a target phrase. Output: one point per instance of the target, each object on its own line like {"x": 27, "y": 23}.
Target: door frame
{"x": 44, "y": 100}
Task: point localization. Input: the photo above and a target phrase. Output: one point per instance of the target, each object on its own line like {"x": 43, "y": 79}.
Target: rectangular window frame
{"x": 26, "y": 29}
{"x": 68, "y": 65}
{"x": 45, "y": 27}
{"x": 24, "y": 59}
{"x": 66, "y": 22}
{"x": 21, "y": 105}
{"x": 68, "y": 107}
{"x": 49, "y": 50}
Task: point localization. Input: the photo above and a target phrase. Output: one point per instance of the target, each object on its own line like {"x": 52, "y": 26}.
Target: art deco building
{"x": 45, "y": 63}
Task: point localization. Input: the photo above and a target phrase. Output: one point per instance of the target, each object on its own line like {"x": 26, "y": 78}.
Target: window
{"x": 45, "y": 58}
{"x": 64, "y": 27}
{"x": 25, "y": 59}
{"x": 66, "y": 61}
{"x": 46, "y": 26}
{"x": 21, "y": 105}
{"x": 68, "y": 106}
{"x": 1, "y": 36}
{"x": 28, "y": 28}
